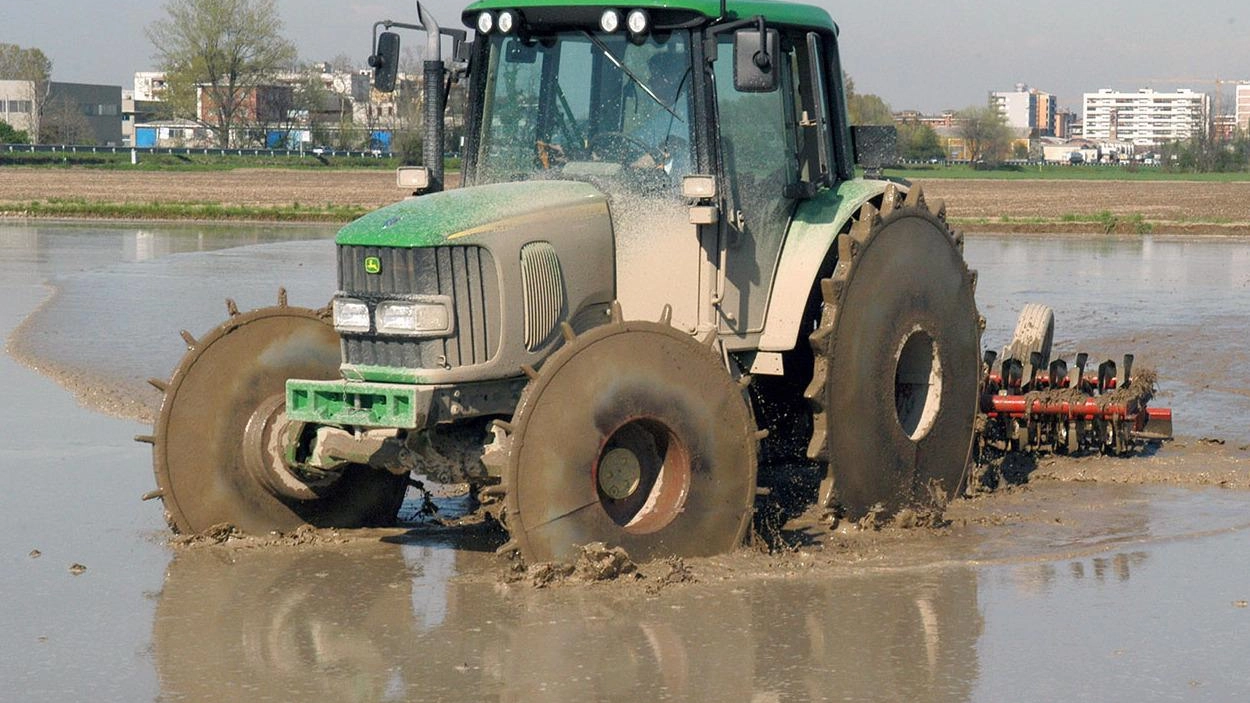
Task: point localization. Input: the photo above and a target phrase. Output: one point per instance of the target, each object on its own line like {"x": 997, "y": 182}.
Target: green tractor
{"x": 660, "y": 293}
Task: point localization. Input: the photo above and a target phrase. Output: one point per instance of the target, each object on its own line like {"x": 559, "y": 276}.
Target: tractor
{"x": 660, "y": 292}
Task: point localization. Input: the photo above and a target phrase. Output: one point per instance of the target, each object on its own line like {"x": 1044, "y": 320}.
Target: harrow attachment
{"x": 1039, "y": 404}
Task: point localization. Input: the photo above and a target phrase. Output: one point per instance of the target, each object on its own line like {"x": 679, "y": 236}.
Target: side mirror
{"x": 385, "y": 62}
{"x": 755, "y": 60}
{"x": 875, "y": 146}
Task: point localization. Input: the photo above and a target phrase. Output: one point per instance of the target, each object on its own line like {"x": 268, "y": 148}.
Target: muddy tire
{"x": 1035, "y": 331}
{"x": 632, "y": 434}
{"x": 894, "y": 388}
{"x": 215, "y": 451}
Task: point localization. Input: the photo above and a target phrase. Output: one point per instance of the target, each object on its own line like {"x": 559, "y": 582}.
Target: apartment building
{"x": 1027, "y": 109}
{"x": 1145, "y": 117}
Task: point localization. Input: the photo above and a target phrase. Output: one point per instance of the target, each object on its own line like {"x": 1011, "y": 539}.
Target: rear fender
{"x": 809, "y": 243}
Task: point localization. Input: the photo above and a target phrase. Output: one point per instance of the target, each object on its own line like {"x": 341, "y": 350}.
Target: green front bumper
{"x": 356, "y": 403}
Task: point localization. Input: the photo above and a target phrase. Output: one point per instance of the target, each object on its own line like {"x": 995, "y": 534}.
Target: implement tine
{"x": 1058, "y": 372}
{"x": 1106, "y": 372}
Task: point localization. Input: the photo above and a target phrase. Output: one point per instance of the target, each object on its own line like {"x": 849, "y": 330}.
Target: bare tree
{"x": 30, "y": 65}
{"x": 985, "y": 133}
{"x": 345, "y": 63}
{"x": 216, "y": 54}
{"x": 64, "y": 123}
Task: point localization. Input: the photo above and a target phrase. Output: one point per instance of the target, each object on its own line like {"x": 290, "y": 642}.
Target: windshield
{"x": 573, "y": 104}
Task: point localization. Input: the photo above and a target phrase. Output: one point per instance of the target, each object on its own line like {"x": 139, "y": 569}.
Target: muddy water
{"x": 1062, "y": 590}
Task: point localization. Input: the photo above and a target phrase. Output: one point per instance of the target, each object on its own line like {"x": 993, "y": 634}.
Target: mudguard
{"x": 812, "y": 232}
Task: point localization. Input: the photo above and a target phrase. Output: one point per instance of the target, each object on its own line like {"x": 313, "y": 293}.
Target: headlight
{"x": 485, "y": 23}
{"x": 610, "y": 21}
{"x": 637, "y": 21}
{"x": 350, "y": 315}
{"x": 414, "y": 318}
{"x": 506, "y": 21}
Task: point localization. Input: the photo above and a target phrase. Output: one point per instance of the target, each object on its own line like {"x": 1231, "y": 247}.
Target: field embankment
{"x": 987, "y": 205}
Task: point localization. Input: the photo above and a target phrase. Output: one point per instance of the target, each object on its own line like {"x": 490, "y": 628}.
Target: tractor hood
{"x": 469, "y": 215}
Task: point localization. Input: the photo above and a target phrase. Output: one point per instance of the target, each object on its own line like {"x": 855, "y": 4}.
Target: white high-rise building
{"x": 1026, "y": 109}
{"x": 1145, "y": 118}
{"x": 149, "y": 86}
{"x": 1018, "y": 107}
{"x": 1243, "y": 106}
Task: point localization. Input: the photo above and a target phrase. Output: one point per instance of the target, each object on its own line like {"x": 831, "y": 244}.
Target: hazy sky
{"x": 917, "y": 55}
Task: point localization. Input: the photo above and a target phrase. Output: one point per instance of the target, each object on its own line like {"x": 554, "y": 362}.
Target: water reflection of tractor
{"x": 378, "y": 622}
{"x": 661, "y": 293}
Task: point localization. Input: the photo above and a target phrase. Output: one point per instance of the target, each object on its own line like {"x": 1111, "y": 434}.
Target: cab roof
{"x": 773, "y": 10}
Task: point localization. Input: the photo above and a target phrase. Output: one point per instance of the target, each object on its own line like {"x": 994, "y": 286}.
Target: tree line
{"x": 981, "y": 128}
{"x": 221, "y": 61}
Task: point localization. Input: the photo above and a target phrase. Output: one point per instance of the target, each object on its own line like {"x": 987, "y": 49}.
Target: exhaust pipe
{"x": 432, "y": 140}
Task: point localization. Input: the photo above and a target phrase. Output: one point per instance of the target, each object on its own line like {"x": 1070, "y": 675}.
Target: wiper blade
{"x": 607, "y": 52}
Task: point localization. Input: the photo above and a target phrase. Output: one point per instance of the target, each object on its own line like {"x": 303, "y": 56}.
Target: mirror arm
{"x": 709, "y": 44}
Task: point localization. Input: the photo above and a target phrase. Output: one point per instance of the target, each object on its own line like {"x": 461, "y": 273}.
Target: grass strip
{"x": 1061, "y": 173}
{"x": 201, "y": 162}
{"x": 182, "y": 211}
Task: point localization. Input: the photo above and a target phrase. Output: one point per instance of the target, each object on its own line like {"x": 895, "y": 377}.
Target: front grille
{"x": 466, "y": 274}
{"x": 543, "y": 289}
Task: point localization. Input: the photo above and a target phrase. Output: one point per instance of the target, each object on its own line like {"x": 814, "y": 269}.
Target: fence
{"x": 186, "y": 151}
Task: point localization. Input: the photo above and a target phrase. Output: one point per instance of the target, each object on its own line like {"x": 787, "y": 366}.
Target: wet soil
{"x": 1174, "y": 206}
{"x": 1066, "y": 584}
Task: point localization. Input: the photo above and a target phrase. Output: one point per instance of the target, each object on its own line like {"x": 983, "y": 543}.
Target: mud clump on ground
{"x": 678, "y": 572}
{"x": 227, "y": 534}
{"x": 595, "y": 563}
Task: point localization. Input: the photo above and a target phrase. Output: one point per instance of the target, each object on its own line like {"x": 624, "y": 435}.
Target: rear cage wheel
{"x": 896, "y": 366}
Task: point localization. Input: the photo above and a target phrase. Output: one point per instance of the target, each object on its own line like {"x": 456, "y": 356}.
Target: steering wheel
{"x": 625, "y": 149}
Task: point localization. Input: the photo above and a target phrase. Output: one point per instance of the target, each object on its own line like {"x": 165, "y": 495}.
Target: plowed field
{"x": 994, "y": 205}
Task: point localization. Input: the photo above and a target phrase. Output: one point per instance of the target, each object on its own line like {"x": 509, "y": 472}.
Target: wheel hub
{"x": 620, "y": 472}
{"x": 643, "y": 475}
{"x": 265, "y": 441}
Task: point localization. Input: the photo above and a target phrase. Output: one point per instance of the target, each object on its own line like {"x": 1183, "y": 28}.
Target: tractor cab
{"x": 704, "y": 126}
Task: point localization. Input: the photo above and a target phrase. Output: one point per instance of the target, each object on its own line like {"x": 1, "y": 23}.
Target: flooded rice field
{"x": 1109, "y": 580}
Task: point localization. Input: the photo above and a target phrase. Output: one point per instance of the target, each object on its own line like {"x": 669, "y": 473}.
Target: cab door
{"x": 773, "y": 151}
{"x": 756, "y": 146}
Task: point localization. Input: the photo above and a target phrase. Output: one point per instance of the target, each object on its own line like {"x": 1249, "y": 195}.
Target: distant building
{"x": 953, "y": 143}
{"x": 1145, "y": 118}
{"x": 171, "y": 133}
{"x": 81, "y": 113}
{"x": 1018, "y": 107}
{"x": 1243, "y": 107}
{"x": 101, "y": 105}
{"x": 149, "y": 86}
{"x": 260, "y": 105}
{"x": 17, "y": 107}
{"x": 1027, "y": 109}
{"x": 1065, "y": 120}
{"x": 135, "y": 112}
{"x": 948, "y": 118}
{"x": 1223, "y": 127}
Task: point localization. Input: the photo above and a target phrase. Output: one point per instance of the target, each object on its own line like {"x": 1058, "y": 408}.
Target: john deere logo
{"x": 373, "y": 264}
